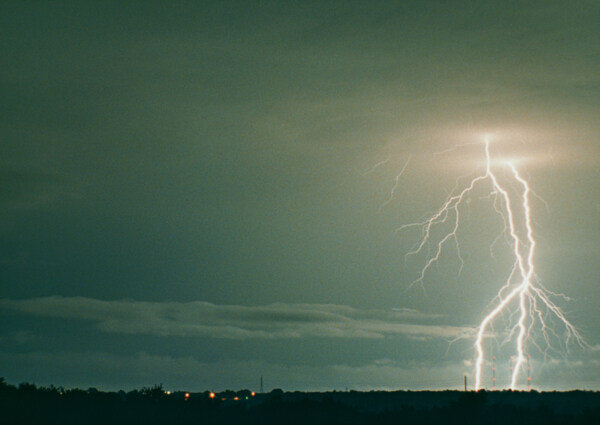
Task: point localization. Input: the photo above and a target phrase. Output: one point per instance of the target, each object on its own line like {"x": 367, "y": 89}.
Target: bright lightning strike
{"x": 522, "y": 295}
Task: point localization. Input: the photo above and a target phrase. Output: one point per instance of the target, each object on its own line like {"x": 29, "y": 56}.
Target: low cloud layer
{"x": 204, "y": 319}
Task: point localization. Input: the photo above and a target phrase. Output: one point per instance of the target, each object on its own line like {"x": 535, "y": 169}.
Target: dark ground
{"x": 28, "y": 404}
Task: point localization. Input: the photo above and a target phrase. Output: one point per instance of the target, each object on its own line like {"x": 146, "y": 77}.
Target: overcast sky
{"x": 189, "y": 191}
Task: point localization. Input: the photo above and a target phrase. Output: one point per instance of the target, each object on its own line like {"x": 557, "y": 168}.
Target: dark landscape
{"x": 29, "y": 404}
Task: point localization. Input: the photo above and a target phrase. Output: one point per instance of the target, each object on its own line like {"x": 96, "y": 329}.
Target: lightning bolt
{"x": 526, "y": 298}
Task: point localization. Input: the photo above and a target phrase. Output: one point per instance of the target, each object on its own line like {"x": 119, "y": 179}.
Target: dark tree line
{"x": 29, "y": 404}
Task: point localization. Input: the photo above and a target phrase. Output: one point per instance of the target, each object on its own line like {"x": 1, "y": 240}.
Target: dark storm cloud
{"x": 235, "y": 322}
{"x": 33, "y": 189}
{"x": 217, "y": 150}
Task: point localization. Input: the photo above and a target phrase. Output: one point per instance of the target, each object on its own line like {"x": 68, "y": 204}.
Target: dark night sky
{"x": 188, "y": 190}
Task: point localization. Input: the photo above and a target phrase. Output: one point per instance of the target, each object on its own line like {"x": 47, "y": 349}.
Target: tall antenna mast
{"x": 511, "y": 365}
{"x": 494, "y": 372}
{"x": 528, "y": 373}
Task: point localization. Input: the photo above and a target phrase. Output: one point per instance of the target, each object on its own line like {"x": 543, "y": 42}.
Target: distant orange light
{"x": 252, "y": 393}
{"x": 236, "y": 398}
{"x": 212, "y": 395}
{"x": 187, "y": 395}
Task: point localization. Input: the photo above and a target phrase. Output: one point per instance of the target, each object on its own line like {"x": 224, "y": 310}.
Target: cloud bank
{"x": 203, "y": 319}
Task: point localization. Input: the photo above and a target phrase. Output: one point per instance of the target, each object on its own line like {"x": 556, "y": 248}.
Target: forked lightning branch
{"x": 522, "y": 297}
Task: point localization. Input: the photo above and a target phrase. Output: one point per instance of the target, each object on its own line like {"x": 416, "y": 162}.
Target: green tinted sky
{"x": 185, "y": 195}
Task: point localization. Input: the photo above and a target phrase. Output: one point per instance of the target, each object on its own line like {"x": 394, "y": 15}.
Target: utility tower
{"x": 262, "y": 388}
{"x": 465, "y": 383}
{"x": 493, "y": 372}
{"x": 528, "y": 373}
